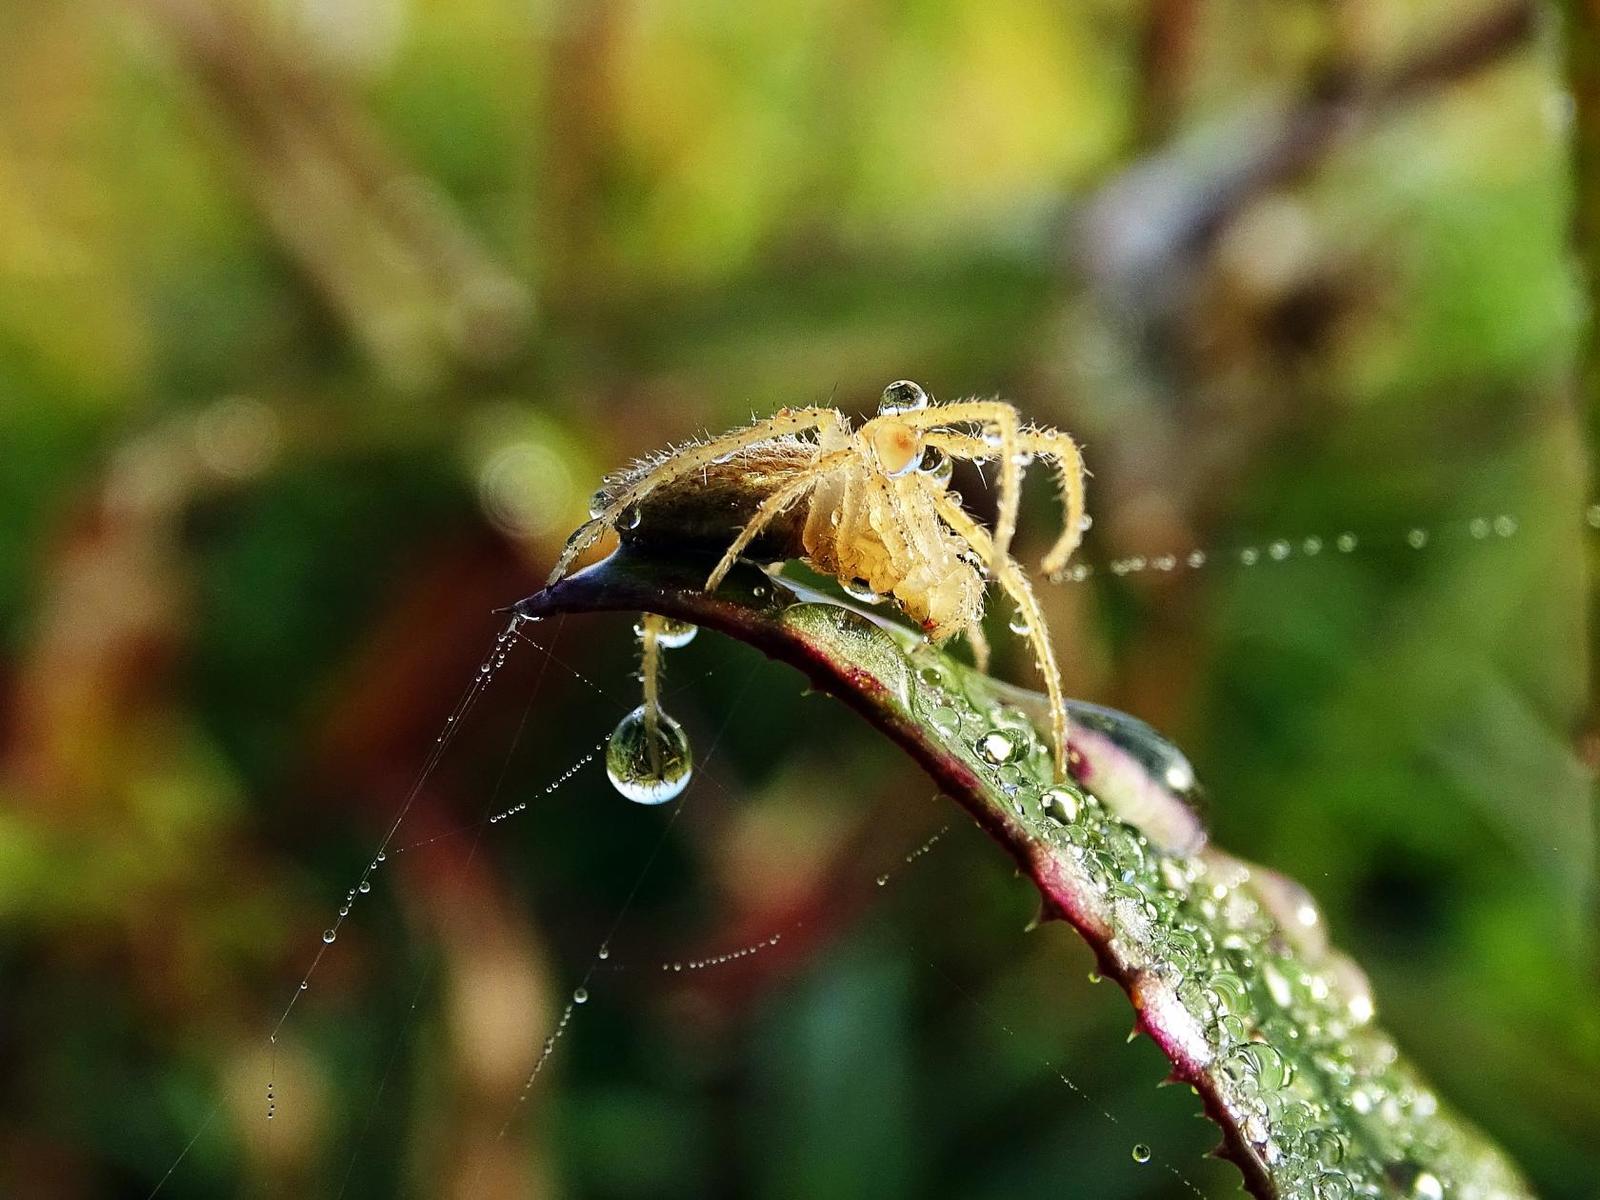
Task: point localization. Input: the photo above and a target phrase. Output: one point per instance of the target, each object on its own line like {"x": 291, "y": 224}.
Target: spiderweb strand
{"x": 1282, "y": 550}
{"x": 425, "y": 976}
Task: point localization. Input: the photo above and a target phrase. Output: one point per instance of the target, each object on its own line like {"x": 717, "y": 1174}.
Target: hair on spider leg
{"x": 861, "y": 503}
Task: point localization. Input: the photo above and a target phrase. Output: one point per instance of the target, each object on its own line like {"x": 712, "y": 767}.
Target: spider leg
{"x": 650, "y": 627}
{"x": 1002, "y": 419}
{"x": 686, "y": 462}
{"x": 1057, "y": 448}
{"x": 774, "y": 504}
{"x": 1010, "y": 577}
{"x": 979, "y": 644}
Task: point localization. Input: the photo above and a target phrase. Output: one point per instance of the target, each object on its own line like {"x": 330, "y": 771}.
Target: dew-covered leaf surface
{"x": 1227, "y": 964}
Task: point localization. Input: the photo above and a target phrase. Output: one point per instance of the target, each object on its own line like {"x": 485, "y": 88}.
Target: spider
{"x": 870, "y": 506}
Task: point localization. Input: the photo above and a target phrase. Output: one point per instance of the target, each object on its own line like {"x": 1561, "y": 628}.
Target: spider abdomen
{"x": 705, "y": 510}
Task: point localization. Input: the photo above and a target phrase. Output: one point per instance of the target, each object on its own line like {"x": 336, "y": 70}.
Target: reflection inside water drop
{"x": 649, "y": 761}
{"x": 671, "y": 633}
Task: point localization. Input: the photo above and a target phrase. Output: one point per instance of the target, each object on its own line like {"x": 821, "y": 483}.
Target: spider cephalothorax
{"x": 870, "y": 506}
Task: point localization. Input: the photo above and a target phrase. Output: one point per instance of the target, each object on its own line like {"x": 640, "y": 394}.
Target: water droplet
{"x": 1312, "y": 545}
{"x": 671, "y": 633}
{"x": 1417, "y": 539}
{"x": 860, "y": 589}
{"x": 1593, "y": 516}
{"x": 883, "y": 880}
{"x": 597, "y": 503}
{"x": 1086, "y": 524}
{"x": 1249, "y": 556}
{"x": 1196, "y": 559}
{"x": 364, "y": 886}
{"x": 1019, "y": 624}
{"x": 1505, "y": 525}
{"x": 581, "y": 996}
{"x": 902, "y": 396}
{"x": 603, "y": 953}
{"x": 382, "y": 856}
{"x": 1060, "y": 805}
{"x": 996, "y": 747}
{"x": 1346, "y": 542}
{"x": 1141, "y": 1153}
{"x": 1279, "y": 550}
{"x": 1478, "y": 527}
{"x": 329, "y": 934}
{"x": 936, "y": 465}
{"x": 649, "y": 773}
{"x": 1428, "y": 1187}
{"x": 1095, "y": 977}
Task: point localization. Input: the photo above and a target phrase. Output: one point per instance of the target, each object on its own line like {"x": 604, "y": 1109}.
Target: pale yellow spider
{"x": 870, "y": 506}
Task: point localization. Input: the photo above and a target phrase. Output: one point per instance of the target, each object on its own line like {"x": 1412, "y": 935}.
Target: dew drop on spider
{"x": 671, "y": 633}
{"x": 902, "y": 396}
{"x": 649, "y": 762}
{"x": 1019, "y": 624}
{"x": 937, "y": 466}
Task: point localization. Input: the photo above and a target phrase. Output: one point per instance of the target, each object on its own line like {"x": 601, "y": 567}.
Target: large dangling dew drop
{"x": 649, "y": 762}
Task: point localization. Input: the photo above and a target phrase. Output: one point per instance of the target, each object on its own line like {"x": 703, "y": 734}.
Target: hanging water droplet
{"x": 603, "y": 953}
{"x": 1141, "y": 1152}
{"x": 329, "y": 934}
{"x": 581, "y": 996}
{"x": 364, "y": 886}
{"x": 996, "y": 747}
{"x": 1417, "y": 539}
{"x": 1279, "y": 550}
{"x": 629, "y": 518}
{"x": 1197, "y": 559}
{"x": 860, "y": 589}
{"x": 1346, "y": 542}
{"x": 382, "y": 856}
{"x": 1249, "y": 556}
{"x": 649, "y": 770}
{"x": 1019, "y": 624}
{"x": 883, "y": 880}
{"x": 902, "y": 396}
{"x": 1312, "y": 545}
{"x": 671, "y": 633}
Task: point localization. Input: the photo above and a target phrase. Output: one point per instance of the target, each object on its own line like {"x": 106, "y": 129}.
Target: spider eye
{"x": 902, "y": 396}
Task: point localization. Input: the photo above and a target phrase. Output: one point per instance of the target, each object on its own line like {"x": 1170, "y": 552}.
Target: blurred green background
{"x": 321, "y": 319}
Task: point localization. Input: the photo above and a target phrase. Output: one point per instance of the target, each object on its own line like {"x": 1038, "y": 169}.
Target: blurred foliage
{"x": 318, "y": 324}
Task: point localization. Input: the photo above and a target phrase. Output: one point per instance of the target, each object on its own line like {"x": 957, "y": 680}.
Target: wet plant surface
{"x": 1228, "y": 964}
